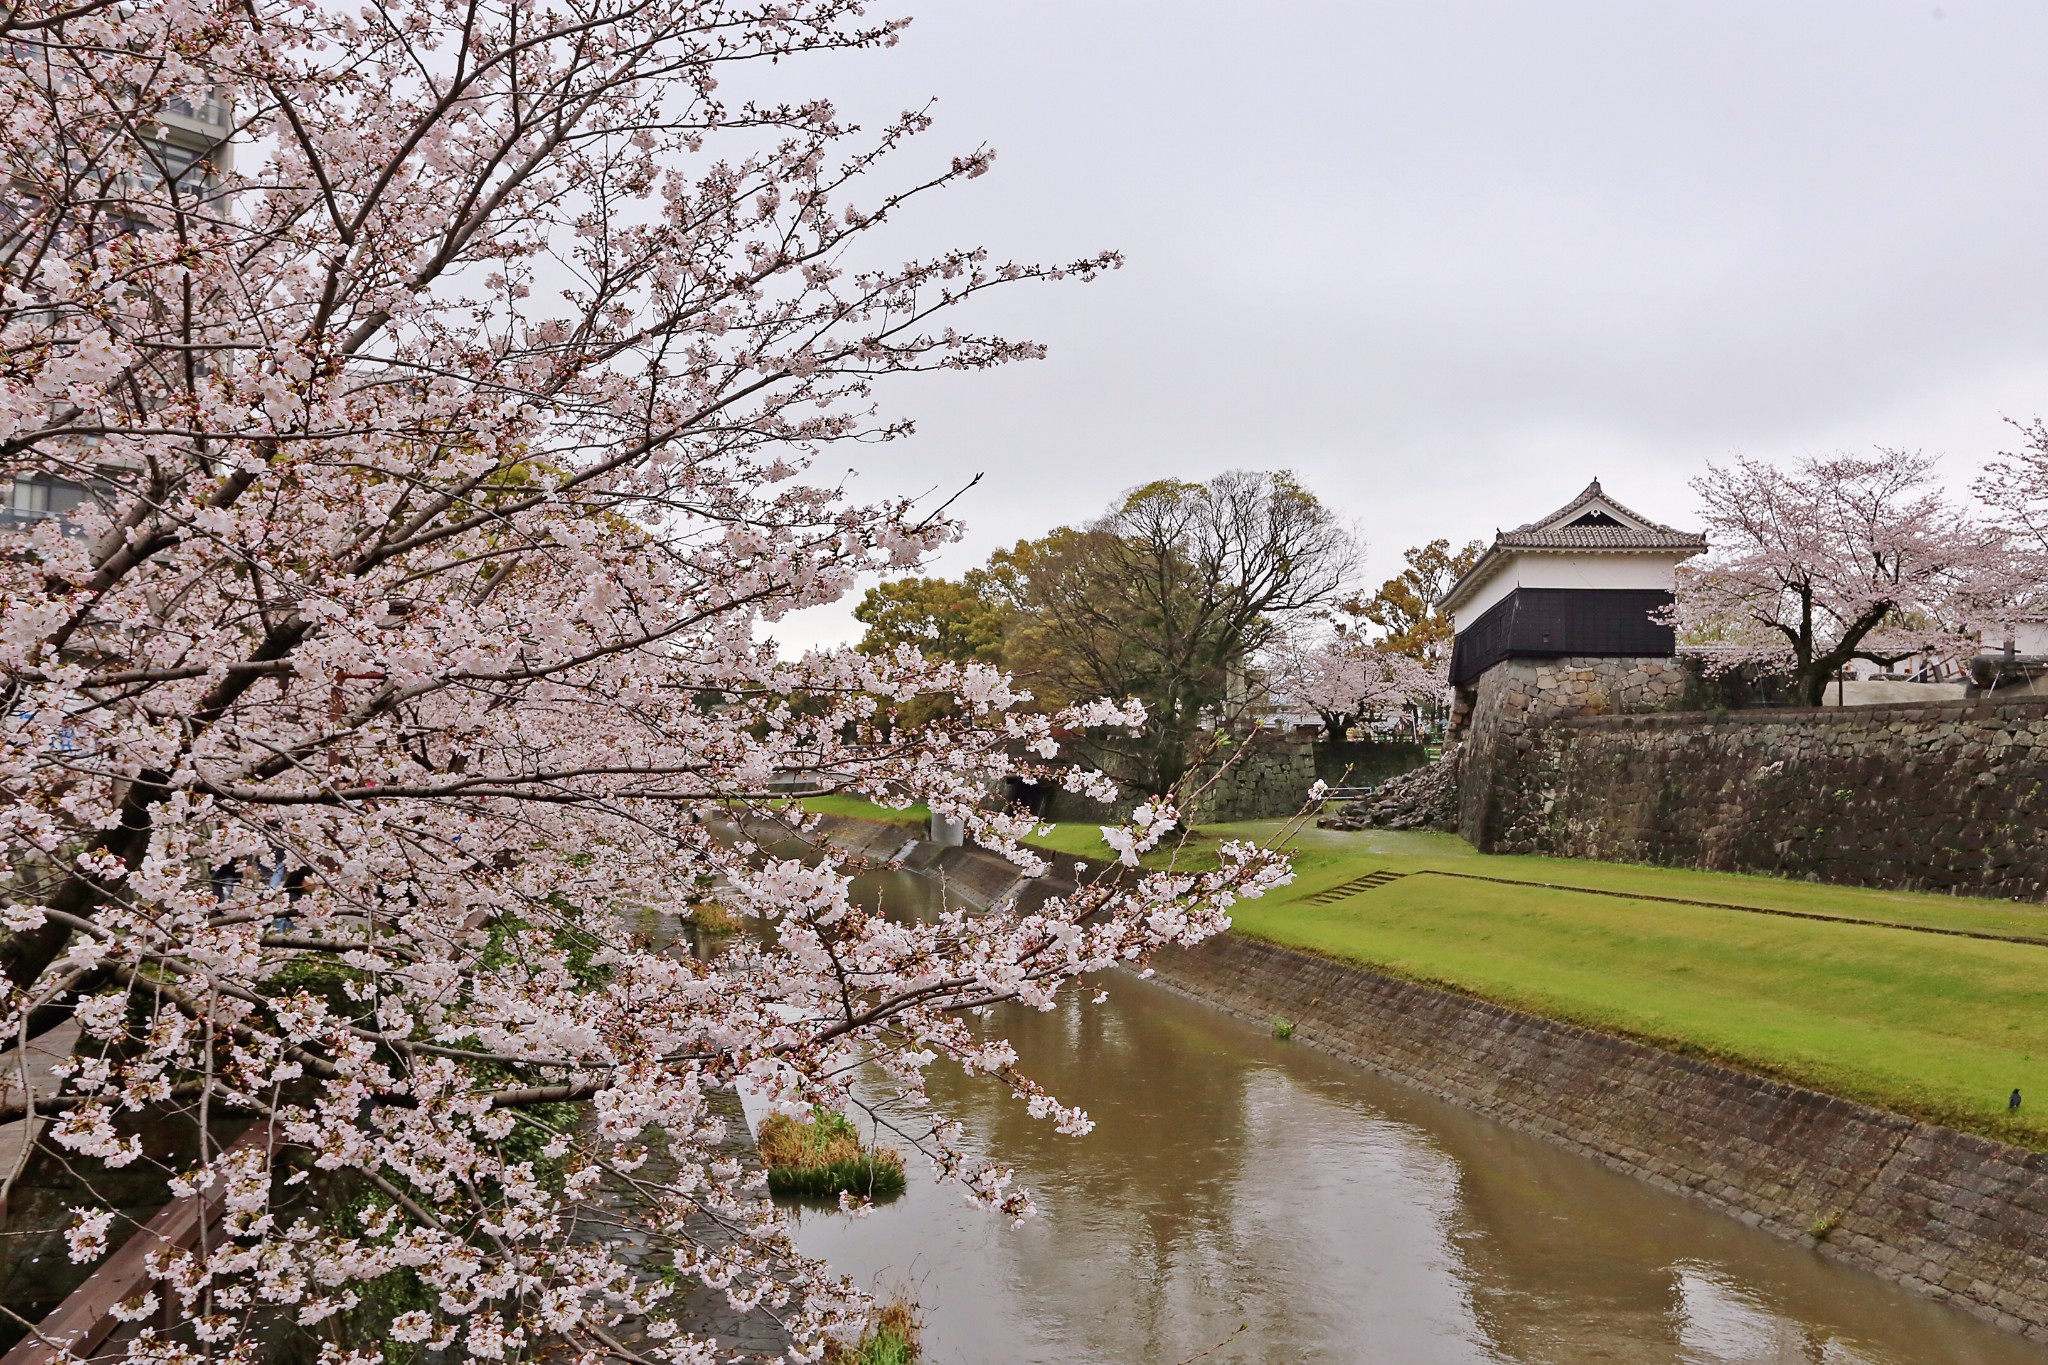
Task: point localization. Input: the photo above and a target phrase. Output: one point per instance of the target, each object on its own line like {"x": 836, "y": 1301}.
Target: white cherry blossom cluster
{"x": 398, "y": 689}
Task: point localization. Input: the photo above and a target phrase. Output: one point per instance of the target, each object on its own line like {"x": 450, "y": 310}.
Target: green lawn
{"x": 911, "y": 817}
{"x": 1937, "y": 1026}
{"x": 1082, "y": 839}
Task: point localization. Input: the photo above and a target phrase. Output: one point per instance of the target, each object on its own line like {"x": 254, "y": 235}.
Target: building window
{"x": 38, "y": 497}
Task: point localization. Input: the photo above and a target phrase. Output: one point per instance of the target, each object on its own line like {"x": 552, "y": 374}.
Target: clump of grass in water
{"x": 820, "y": 1156}
{"x": 1283, "y": 1029}
{"x": 712, "y": 918}
{"x": 890, "y": 1340}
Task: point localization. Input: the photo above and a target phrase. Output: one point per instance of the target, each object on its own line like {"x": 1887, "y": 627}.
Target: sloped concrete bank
{"x": 972, "y": 876}
{"x": 1953, "y": 1216}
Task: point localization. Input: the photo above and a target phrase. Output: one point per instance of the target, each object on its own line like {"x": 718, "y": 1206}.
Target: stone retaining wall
{"x": 1494, "y": 716}
{"x": 1955, "y": 1217}
{"x": 1259, "y": 776}
{"x": 1266, "y": 774}
{"x": 1945, "y": 796}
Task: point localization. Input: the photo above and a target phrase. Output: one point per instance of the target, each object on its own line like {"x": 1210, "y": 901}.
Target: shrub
{"x": 891, "y": 1340}
{"x": 1283, "y": 1029}
{"x": 710, "y": 917}
{"x": 820, "y": 1156}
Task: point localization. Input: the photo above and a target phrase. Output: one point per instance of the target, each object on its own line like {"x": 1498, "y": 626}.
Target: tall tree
{"x": 2015, "y": 489}
{"x": 1408, "y": 608}
{"x": 445, "y": 457}
{"x": 1165, "y": 598}
{"x": 1347, "y": 680}
{"x": 942, "y": 619}
{"x": 1839, "y": 558}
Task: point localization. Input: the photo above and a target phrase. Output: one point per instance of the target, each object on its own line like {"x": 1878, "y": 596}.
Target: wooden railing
{"x": 75, "y": 1327}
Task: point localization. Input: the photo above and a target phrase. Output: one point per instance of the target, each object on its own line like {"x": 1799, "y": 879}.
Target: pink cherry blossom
{"x": 443, "y": 385}
{"x": 1838, "y": 558}
{"x": 1344, "y": 679}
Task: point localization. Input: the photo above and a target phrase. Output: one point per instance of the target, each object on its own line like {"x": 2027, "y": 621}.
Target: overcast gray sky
{"x": 1449, "y": 261}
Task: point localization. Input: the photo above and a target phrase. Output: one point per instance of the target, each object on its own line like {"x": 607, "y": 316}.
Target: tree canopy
{"x": 379, "y": 720}
{"x": 964, "y": 621}
{"x": 1837, "y": 558}
{"x": 2015, "y": 489}
{"x": 1164, "y": 599}
{"x": 1408, "y": 608}
{"x": 1347, "y": 680}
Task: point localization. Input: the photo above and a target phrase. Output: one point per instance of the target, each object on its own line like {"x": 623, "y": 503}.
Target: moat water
{"x": 1257, "y": 1201}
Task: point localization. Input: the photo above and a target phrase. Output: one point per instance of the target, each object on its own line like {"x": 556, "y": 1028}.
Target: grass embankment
{"x": 1838, "y": 988}
{"x": 820, "y": 1156}
{"x": 916, "y": 816}
{"x": 1938, "y": 1025}
{"x": 1080, "y": 839}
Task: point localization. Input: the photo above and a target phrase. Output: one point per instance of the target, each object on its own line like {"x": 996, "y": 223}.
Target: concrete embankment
{"x": 1951, "y": 1215}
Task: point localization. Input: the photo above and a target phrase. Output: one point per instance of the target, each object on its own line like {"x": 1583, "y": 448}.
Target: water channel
{"x": 1261, "y": 1202}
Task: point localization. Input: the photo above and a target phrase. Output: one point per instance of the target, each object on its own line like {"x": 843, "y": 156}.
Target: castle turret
{"x": 1583, "y": 581}
{"x": 1558, "y": 618}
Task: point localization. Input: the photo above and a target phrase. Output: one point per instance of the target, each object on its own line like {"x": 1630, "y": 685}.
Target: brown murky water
{"x": 1261, "y": 1202}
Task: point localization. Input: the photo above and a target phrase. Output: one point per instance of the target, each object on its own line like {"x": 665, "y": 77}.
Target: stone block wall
{"x": 1944, "y": 796}
{"x": 1265, "y": 775}
{"x": 1513, "y": 697}
{"x": 1262, "y": 776}
{"x": 1368, "y": 763}
{"x": 1950, "y": 1215}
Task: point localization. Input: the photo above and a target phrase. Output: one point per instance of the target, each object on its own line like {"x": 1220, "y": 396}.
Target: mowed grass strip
{"x": 916, "y": 816}
{"x": 1082, "y": 840}
{"x": 1327, "y": 857}
{"x": 1941, "y": 1028}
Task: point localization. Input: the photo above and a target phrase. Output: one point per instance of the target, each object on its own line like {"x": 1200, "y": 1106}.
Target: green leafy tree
{"x": 1164, "y": 598}
{"x": 962, "y": 621}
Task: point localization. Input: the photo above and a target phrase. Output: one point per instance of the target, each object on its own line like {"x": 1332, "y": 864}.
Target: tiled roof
{"x": 1601, "y": 538}
{"x": 1554, "y": 533}
{"x": 1591, "y": 494}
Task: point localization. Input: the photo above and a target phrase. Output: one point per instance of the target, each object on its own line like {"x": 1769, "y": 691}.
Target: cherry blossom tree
{"x": 2015, "y": 489}
{"x": 1834, "y": 559}
{"x": 1347, "y": 680}
{"x": 396, "y": 690}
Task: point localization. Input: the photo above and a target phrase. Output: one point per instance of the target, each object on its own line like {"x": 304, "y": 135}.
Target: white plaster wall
{"x": 1642, "y": 570}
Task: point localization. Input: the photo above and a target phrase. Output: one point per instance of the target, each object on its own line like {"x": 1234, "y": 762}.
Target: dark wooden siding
{"x": 1549, "y": 623}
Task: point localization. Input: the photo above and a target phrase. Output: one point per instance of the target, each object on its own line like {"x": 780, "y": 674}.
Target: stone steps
{"x": 1345, "y": 890}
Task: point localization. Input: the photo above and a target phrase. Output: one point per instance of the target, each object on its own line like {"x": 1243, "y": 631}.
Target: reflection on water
{"x": 1257, "y": 1198}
